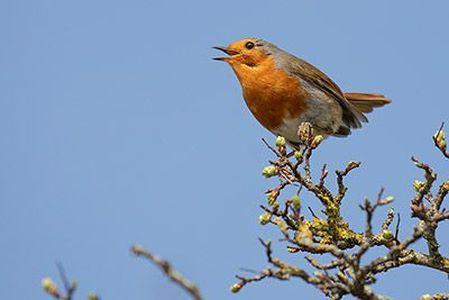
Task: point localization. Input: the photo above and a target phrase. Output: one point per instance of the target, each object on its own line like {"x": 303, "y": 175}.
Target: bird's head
{"x": 246, "y": 53}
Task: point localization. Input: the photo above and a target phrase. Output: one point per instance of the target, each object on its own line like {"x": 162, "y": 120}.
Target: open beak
{"x": 226, "y": 50}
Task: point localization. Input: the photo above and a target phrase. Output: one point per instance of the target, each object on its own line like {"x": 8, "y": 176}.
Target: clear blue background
{"x": 116, "y": 127}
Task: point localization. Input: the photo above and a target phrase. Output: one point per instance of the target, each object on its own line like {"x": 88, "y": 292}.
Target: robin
{"x": 283, "y": 91}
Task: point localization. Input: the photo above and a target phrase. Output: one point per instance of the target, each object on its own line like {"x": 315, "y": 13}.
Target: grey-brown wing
{"x": 352, "y": 117}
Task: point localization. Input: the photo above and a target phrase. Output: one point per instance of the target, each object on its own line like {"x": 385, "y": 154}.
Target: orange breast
{"x": 270, "y": 93}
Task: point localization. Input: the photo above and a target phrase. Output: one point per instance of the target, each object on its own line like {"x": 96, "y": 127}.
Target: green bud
{"x": 440, "y": 139}
{"x": 386, "y": 200}
{"x": 269, "y": 171}
{"x": 264, "y": 218}
{"x": 47, "y": 282}
{"x": 387, "y": 235}
{"x": 317, "y": 141}
{"x": 353, "y": 164}
{"x": 417, "y": 185}
{"x": 298, "y": 155}
{"x": 48, "y": 285}
{"x": 280, "y": 141}
{"x": 236, "y": 287}
{"x": 296, "y": 202}
{"x": 92, "y": 296}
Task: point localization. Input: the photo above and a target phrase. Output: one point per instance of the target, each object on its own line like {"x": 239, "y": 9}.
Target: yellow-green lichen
{"x": 336, "y": 231}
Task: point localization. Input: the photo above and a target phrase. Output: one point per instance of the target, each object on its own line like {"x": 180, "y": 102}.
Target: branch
{"x": 284, "y": 271}
{"x": 167, "y": 268}
{"x": 332, "y": 236}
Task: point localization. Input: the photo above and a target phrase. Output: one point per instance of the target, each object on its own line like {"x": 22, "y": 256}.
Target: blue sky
{"x": 116, "y": 127}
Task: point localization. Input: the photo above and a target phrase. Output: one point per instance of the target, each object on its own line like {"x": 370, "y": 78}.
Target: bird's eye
{"x": 249, "y": 45}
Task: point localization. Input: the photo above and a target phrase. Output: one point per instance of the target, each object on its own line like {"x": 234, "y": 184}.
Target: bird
{"x": 283, "y": 91}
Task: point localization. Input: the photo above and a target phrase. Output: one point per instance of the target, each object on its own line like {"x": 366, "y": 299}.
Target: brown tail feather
{"x": 366, "y": 102}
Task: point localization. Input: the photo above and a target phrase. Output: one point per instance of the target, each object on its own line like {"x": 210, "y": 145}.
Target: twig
{"x": 69, "y": 287}
{"x": 340, "y": 179}
{"x": 396, "y": 234}
{"x": 167, "y": 268}
{"x": 51, "y": 288}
